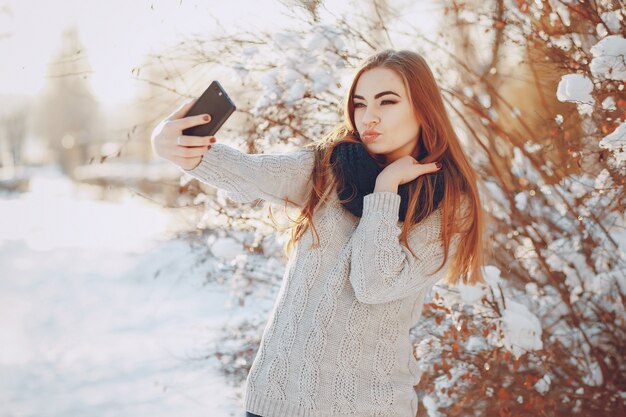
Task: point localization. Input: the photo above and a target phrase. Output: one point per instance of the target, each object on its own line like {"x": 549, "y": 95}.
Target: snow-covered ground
{"x": 87, "y": 325}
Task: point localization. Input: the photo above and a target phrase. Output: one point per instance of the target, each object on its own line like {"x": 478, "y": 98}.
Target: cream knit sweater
{"x": 337, "y": 339}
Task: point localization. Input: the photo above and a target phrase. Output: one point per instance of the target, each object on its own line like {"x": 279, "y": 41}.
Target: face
{"x": 381, "y": 104}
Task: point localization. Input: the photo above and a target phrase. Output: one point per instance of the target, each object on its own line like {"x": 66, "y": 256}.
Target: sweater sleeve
{"x": 382, "y": 269}
{"x": 248, "y": 177}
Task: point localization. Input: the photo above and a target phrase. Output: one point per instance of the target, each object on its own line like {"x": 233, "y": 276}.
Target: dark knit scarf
{"x": 359, "y": 171}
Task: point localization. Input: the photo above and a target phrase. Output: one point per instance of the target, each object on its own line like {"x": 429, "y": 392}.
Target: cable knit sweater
{"x": 337, "y": 339}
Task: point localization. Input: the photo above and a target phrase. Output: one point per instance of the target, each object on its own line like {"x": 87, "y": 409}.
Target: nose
{"x": 370, "y": 118}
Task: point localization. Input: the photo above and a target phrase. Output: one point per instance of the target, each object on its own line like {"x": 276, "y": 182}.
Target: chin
{"x": 371, "y": 148}
{"x": 375, "y": 148}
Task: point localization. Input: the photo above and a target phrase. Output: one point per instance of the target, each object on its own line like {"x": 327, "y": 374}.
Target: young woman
{"x": 393, "y": 207}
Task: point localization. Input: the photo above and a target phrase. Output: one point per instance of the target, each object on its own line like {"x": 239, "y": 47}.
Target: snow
{"x": 558, "y": 119}
{"x": 561, "y": 9}
{"x": 525, "y": 253}
{"x": 603, "y": 180}
{"x": 325, "y": 37}
{"x": 296, "y": 92}
{"x": 613, "y": 18}
{"x": 240, "y": 72}
{"x": 475, "y": 343}
{"x": 269, "y": 82}
{"x": 321, "y": 80}
{"x": 563, "y": 42}
{"x": 226, "y": 248}
{"x": 522, "y": 167}
{"x": 485, "y": 100}
{"x": 250, "y": 50}
{"x": 543, "y": 384}
{"x": 104, "y": 311}
{"x": 594, "y": 377}
{"x": 288, "y": 40}
{"x": 299, "y": 63}
{"x": 521, "y": 328}
{"x": 532, "y": 289}
{"x": 609, "y": 58}
{"x": 521, "y": 201}
{"x": 616, "y": 143}
{"x": 291, "y": 76}
{"x": 612, "y": 21}
{"x": 609, "y": 104}
{"x": 496, "y": 204}
{"x": 472, "y": 294}
{"x": 576, "y": 88}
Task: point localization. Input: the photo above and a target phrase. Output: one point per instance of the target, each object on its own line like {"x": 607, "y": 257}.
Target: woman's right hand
{"x": 169, "y": 143}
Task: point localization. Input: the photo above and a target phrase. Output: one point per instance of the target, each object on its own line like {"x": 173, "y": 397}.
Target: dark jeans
{"x": 251, "y": 415}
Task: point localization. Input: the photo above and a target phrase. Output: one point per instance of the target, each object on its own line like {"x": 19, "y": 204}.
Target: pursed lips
{"x": 370, "y": 137}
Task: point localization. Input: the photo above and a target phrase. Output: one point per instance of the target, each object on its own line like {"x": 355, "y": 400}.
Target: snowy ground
{"x": 86, "y": 326}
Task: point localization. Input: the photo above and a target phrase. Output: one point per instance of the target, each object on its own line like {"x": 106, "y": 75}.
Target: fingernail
{"x": 206, "y": 117}
{"x": 438, "y": 165}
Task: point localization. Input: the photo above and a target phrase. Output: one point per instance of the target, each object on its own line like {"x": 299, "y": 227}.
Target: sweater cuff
{"x": 382, "y": 202}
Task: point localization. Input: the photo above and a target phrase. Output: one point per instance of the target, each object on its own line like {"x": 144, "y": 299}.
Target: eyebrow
{"x": 377, "y": 95}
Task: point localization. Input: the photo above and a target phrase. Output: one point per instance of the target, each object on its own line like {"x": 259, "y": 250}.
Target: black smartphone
{"x": 213, "y": 101}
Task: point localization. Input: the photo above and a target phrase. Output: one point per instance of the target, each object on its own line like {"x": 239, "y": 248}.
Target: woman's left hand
{"x": 406, "y": 169}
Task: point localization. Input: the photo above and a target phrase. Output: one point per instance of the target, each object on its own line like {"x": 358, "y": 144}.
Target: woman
{"x": 393, "y": 207}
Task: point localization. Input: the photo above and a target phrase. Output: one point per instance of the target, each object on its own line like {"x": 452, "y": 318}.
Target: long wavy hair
{"x": 441, "y": 144}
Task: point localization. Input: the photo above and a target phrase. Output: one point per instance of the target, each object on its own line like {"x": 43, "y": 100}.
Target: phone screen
{"x": 213, "y": 101}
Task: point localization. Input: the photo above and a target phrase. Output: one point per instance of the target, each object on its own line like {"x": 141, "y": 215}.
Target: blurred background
{"x": 128, "y": 288}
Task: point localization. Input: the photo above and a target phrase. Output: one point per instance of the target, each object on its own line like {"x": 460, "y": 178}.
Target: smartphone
{"x": 213, "y": 101}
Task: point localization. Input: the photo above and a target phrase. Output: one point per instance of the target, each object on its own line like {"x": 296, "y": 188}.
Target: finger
{"x": 430, "y": 167}
{"x": 423, "y": 169}
{"x": 185, "y": 140}
{"x": 191, "y": 121}
{"x": 182, "y": 109}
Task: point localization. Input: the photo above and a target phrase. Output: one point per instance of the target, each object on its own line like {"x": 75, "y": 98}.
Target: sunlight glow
{"x": 116, "y": 35}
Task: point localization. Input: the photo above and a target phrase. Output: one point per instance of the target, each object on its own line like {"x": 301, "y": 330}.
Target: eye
{"x": 356, "y": 105}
